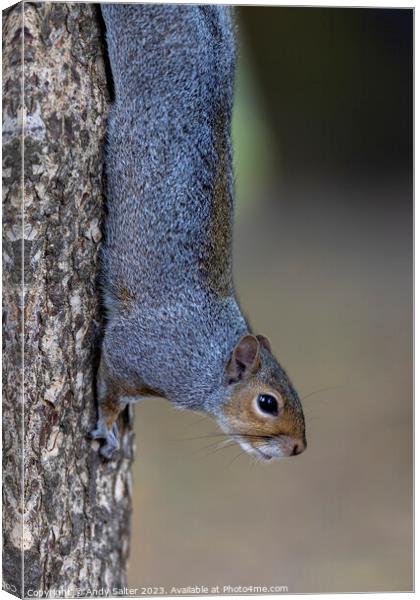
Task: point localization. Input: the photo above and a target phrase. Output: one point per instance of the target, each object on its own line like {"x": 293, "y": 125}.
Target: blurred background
{"x": 323, "y": 266}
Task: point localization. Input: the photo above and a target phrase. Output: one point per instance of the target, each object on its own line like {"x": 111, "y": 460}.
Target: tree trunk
{"x": 66, "y": 513}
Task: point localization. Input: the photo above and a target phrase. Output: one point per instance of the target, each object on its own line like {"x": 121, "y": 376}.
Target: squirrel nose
{"x": 298, "y": 448}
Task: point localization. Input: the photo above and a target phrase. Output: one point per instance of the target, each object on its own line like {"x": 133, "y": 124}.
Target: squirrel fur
{"x": 174, "y": 325}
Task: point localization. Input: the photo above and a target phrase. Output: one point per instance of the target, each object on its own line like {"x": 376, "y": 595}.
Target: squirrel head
{"x": 263, "y": 411}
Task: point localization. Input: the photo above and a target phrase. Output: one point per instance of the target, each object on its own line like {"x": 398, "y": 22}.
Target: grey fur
{"x": 173, "y": 318}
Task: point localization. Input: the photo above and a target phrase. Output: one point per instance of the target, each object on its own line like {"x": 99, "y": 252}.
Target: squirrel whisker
{"x": 333, "y": 387}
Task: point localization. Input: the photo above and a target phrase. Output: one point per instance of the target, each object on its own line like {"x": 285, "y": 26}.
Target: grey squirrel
{"x": 174, "y": 326}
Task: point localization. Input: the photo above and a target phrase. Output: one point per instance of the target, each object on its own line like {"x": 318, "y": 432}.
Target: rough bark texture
{"x": 66, "y": 522}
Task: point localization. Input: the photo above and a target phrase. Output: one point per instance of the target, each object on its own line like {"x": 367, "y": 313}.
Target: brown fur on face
{"x": 273, "y": 435}
{"x": 244, "y": 416}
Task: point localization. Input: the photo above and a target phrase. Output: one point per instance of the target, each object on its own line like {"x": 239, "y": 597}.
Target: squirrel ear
{"x": 244, "y": 359}
{"x": 265, "y": 342}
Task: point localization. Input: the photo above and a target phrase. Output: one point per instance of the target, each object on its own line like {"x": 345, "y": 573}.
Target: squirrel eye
{"x": 268, "y": 404}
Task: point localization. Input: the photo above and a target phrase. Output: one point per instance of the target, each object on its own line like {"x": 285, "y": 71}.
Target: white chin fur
{"x": 265, "y": 452}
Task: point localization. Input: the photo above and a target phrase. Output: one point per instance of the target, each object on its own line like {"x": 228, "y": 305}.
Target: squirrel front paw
{"x": 110, "y": 439}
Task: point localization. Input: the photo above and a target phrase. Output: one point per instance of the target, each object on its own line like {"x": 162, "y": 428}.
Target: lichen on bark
{"x": 66, "y": 513}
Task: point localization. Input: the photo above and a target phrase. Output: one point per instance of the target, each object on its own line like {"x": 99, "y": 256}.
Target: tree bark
{"x": 66, "y": 513}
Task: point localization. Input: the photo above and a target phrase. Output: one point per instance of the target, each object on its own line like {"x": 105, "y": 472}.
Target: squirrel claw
{"x": 111, "y": 439}
{"x": 98, "y": 434}
{"x": 108, "y": 449}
